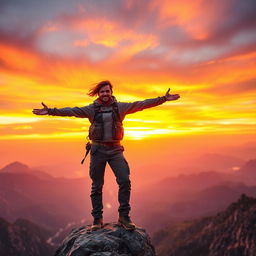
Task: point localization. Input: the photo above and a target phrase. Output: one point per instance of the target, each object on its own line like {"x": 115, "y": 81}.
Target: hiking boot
{"x": 126, "y": 222}
{"x": 97, "y": 224}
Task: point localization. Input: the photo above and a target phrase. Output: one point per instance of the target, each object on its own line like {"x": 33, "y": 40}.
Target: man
{"x": 106, "y": 132}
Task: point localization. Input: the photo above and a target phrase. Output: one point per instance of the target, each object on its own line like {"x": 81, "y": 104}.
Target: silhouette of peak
{"x": 231, "y": 232}
{"x": 15, "y": 167}
{"x": 23, "y": 238}
{"x": 20, "y": 168}
{"x": 110, "y": 240}
{"x": 249, "y": 166}
{"x": 244, "y": 203}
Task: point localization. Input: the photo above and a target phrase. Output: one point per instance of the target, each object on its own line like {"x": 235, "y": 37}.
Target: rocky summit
{"x": 111, "y": 240}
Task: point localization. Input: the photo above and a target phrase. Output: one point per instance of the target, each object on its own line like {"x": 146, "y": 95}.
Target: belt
{"x": 106, "y": 143}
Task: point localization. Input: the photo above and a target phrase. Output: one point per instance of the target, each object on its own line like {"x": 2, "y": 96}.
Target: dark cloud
{"x": 27, "y": 16}
{"x": 15, "y": 38}
{"x": 232, "y": 88}
{"x": 238, "y": 16}
{"x": 21, "y": 21}
{"x": 130, "y": 14}
{"x": 229, "y": 33}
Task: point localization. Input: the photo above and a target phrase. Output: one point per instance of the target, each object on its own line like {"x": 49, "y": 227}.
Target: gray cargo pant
{"x": 113, "y": 155}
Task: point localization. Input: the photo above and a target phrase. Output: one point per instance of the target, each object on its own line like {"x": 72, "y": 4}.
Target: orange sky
{"x": 53, "y": 51}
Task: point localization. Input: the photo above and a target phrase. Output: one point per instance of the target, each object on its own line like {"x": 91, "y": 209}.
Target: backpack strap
{"x": 116, "y": 110}
{"x": 96, "y": 110}
{"x": 88, "y": 144}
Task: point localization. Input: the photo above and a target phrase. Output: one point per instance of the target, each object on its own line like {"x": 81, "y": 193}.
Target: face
{"x": 105, "y": 93}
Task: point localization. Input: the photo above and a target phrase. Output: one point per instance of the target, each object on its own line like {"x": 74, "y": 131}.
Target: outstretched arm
{"x": 128, "y": 108}
{"x": 85, "y": 111}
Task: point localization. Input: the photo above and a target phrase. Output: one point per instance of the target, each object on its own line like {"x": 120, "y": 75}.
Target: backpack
{"x": 96, "y": 130}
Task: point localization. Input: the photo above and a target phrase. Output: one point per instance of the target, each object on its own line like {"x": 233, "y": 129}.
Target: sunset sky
{"x": 54, "y": 51}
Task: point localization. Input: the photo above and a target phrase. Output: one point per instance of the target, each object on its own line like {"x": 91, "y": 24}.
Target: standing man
{"x": 106, "y": 131}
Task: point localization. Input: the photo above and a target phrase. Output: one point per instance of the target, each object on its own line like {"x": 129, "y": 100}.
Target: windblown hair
{"x": 94, "y": 90}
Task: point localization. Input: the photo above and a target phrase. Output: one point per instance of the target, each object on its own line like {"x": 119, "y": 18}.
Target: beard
{"x": 105, "y": 98}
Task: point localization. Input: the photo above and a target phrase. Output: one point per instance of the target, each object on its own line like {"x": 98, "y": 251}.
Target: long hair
{"x": 95, "y": 90}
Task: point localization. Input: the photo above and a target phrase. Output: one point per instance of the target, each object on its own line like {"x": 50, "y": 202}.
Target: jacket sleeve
{"x": 129, "y": 108}
{"x": 82, "y": 112}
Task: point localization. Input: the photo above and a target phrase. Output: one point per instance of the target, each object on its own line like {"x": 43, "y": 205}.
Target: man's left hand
{"x": 171, "y": 96}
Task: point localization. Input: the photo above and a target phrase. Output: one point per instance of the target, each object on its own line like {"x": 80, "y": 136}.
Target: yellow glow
{"x": 141, "y": 120}
{"x": 4, "y": 120}
{"x": 23, "y": 127}
{"x": 67, "y": 135}
{"x": 138, "y": 134}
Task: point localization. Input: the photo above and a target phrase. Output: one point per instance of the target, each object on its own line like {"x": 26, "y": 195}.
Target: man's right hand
{"x": 42, "y": 111}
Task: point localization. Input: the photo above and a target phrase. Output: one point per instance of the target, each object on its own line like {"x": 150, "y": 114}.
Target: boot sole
{"x": 96, "y": 228}
{"x": 130, "y": 229}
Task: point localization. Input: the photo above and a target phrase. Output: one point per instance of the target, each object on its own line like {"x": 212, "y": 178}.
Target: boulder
{"x": 111, "y": 240}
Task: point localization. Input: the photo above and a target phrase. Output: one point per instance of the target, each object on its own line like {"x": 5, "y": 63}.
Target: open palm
{"x": 171, "y": 96}
{"x": 42, "y": 111}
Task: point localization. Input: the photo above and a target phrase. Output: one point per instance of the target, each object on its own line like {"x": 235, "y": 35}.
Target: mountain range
{"x": 230, "y": 233}
{"x": 57, "y": 205}
{"x": 194, "y": 195}
{"x": 24, "y": 238}
{"x": 55, "y": 202}
{"x": 48, "y": 201}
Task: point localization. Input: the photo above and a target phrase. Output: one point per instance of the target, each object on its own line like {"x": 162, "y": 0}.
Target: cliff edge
{"x": 111, "y": 240}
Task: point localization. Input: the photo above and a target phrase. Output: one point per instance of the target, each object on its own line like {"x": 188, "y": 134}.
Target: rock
{"x": 111, "y": 240}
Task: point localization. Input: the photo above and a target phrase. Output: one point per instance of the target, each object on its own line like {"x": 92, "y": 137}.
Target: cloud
{"x": 180, "y": 32}
{"x": 233, "y": 88}
{"x": 97, "y": 39}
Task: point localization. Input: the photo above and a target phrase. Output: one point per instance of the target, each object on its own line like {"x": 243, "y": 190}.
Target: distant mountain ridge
{"x": 18, "y": 167}
{"x": 48, "y": 201}
{"x": 217, "y": 162}
{"x": 247, "y": 172}
{"x": 41, "y": 198}
{"x": 231, "y": 232}
{"x": 23, "y": 238}
{"x": 193, "y": 195}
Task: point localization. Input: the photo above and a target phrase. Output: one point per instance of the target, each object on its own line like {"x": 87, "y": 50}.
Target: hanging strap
{"x": 88, "y": 148}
